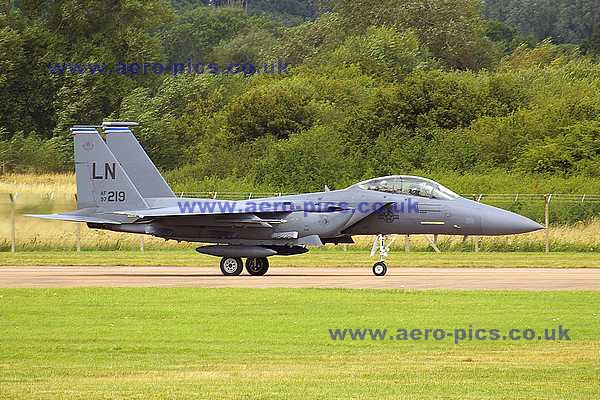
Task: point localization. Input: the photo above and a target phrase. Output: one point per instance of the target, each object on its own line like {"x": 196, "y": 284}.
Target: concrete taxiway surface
{"x": 397, "y": 278}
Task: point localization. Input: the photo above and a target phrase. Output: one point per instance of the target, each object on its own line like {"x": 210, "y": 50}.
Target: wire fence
{"x": 485, "y": 197}
{"x": 544, "y": 208}
{"x": 496, "y": 197}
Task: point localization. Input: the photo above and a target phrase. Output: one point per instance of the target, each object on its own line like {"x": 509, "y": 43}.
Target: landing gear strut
{"x": 379, "y": 268}
{"x": 231, "y": 266}
{"x": 257, "y": 266}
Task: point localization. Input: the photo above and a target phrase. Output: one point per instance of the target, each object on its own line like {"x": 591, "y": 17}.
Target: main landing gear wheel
{"x": 257, "y": 266}
{"x": 231, "y": 266}
{"x": 379, "y": 269}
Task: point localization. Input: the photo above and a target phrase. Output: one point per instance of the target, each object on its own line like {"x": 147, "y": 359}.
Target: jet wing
{"x": 218, "y": 207}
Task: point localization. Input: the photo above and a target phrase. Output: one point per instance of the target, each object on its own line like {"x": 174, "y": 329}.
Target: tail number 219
{"x": 112, "y": 196}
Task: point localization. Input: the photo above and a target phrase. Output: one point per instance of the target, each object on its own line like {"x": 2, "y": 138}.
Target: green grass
{"x": 330, "y": 257}
{"x": 273, "y": 343}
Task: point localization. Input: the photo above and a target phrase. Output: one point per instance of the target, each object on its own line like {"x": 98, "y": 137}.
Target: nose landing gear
{"x": 379, "y": 268}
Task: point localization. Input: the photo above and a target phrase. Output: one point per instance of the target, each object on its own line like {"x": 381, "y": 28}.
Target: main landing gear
{"x": 379, "y": 268}
{"x": 233, "y": 266}
{"x": 257, "y": 266}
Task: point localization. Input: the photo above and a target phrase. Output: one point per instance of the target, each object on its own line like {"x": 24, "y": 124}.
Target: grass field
{"x": 272, "y": 343}
{"x": 330, "y": 257}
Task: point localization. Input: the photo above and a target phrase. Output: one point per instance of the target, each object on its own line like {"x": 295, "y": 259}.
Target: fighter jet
{"x": 120, "y": 189}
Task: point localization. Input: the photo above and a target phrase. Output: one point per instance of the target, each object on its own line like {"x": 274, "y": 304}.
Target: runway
{"x": 351, "y": 278}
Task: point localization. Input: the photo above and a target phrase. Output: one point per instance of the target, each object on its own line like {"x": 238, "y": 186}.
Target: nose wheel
{"x": 379, "y": 268}
{"x": 379, "y": 246}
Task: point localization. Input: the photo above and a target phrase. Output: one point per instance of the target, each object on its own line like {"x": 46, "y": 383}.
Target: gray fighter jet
{"x": 119, "y": 189}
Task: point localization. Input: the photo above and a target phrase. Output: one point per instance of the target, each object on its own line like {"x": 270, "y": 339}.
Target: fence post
{"x": 407, "y": 243}
{"x": 142, "y": 243}
{"x": 77, "y": 231}
{"x": 13, "y": 222}
{"x": 547, "y": 199}
{"x": 476, "y": 238}
{"x": 78, "y": 237}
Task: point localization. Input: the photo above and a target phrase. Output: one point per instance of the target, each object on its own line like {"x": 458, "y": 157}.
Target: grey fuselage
{"x": 330, "y": 224}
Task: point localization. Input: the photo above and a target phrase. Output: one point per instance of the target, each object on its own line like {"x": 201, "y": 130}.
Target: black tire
{"x": 257, "y": 266}
{"x": 379, "y": 269}
{"x": 231, "y": 266}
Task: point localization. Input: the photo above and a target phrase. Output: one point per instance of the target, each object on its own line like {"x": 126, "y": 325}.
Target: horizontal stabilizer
{"x": 75, "y": 218}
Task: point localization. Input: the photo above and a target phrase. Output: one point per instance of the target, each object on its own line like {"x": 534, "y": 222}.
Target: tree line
{"x": 376, "y": 87}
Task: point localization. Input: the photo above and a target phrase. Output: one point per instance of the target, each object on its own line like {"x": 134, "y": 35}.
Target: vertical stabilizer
{"x": 101, "y": 181}
{"x": 134, "y": 160}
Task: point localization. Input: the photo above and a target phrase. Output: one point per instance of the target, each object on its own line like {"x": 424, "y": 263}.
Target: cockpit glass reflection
{"x": 409, "y": 185}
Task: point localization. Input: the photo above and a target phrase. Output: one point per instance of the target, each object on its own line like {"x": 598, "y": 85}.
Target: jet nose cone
{"x": 521, "y": 224}
{"x": 496, "y": 221}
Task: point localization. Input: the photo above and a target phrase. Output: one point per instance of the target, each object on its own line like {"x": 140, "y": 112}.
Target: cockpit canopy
{"x": 409, "y": 185}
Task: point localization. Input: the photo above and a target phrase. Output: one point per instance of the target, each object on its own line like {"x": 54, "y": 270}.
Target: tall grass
{"x": 61, "y": 185}
{"x": 183, "y": 180}
{"x": 36, "y": 234}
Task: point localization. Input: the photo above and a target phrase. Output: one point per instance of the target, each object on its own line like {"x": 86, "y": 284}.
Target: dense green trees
{"x": 452, "y": 30}
{"x": 375, "y": 88}
{"x": 566, "y": 21}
